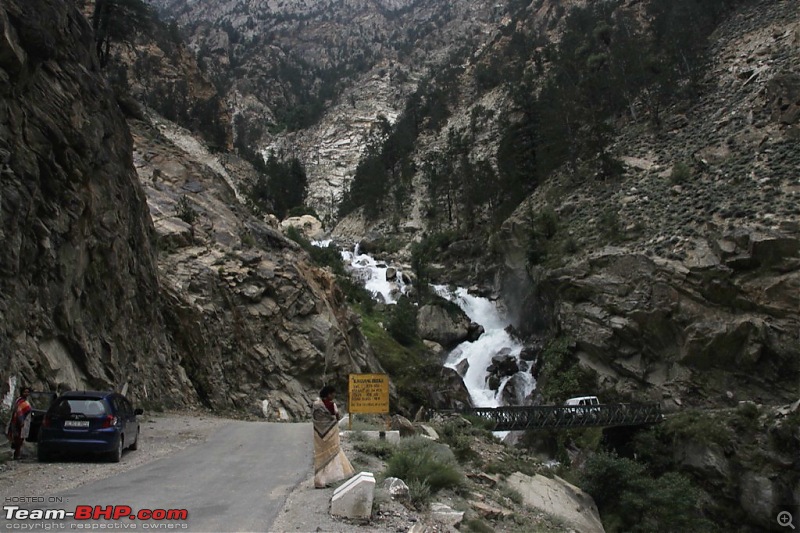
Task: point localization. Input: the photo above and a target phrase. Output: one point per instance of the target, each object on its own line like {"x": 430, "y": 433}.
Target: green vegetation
{"x": 117, "y": 21}
{"x": 280, "y": 187}
{"x": 387, "y": 167}
{"x": 403, "y": 322}
{"x": 383, "y": 449}
{"x": 561, "y": 375}
{"x": 630, "y": 500}
{"x": 681, "y": 173}
{"x": 422, "y": 460}
{"x": 404, "y": 363}
{"x": 185, "y": 211}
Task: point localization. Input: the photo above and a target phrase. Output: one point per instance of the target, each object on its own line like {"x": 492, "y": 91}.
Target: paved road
{"x": 237, "y": 480}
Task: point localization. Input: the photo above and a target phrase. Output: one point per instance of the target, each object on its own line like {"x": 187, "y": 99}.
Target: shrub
{"x": 547, "y": 222}
{"x": 632, "y": 501}
{"x": 419, "y": 493}
{"x": 477, "y": 525}
{"x": 609, "y": 224}
{"x": 403, "y": 323}
{"x": 460, "y": 443}
{"x": 681, "y": 173}
{"x": 421, "y": 460}
{"x": 185, "y": 211}
{"x": 381, "y": 449}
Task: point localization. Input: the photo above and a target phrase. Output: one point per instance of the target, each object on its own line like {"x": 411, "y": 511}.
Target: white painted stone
{"x": 354, "y": 498}
{"x": 391, "y": 436}
{"x": 265, "y": 408}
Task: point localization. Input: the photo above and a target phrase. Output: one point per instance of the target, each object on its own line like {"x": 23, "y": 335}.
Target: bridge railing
{"x": 555, "y": 416}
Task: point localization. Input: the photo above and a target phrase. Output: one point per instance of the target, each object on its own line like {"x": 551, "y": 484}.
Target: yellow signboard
{"x": 369, "y": 393}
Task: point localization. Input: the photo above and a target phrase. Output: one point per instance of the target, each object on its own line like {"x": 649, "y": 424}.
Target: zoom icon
{"x": 785, "y": 519}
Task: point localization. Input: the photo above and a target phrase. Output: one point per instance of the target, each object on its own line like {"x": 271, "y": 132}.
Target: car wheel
{"x": 42, "y": 455}
{"x": 135, "y": 445}
{"x": 116, "y": 455}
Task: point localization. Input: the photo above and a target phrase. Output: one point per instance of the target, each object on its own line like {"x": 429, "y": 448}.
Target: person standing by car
{"x": 20, "y": 422}
{"x": 330, "y": 462}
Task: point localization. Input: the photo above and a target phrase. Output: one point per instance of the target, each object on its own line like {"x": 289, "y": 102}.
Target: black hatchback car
{"x": 89, "y": 422}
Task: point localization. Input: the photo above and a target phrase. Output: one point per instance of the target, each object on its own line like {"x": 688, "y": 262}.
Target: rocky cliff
{"x": 80, "y": 291}
{"x": 213, "y": 308}
{"x": 252, "y": 318}
{"x": 686, "y": 283}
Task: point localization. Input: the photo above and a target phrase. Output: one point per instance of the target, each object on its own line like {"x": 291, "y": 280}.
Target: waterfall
{"x": 477, "y": 355}
{"x": 386, "y": 283}
{"x": 470, "y": 359}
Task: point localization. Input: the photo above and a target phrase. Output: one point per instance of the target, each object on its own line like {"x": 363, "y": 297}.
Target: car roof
{"x": 87, "y": 393}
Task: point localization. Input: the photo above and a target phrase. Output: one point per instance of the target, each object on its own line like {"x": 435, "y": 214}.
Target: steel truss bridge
{"x": 557, "y": 417}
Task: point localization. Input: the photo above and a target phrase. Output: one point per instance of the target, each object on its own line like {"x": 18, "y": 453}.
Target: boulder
{"x": 444, "y": 326}
{"x": 173, "y": 233}
{"x": 560, "y": 499}
{"x": 396, "y": 488}
{"x": 759, "y": 498}
{"x": 451, "y": 393}
{"x": 708, "y": 462}
{"x": 783, "y": 93}
{"x": 514, "y": 390}
{"x": 446, "y": 515}
{"x": 308, "y": 225}
{"x": 503, "y": 365}
{"x": 490, "y": 512}
{"x": 462, "y": 367}
{"x": 403, "y": 425}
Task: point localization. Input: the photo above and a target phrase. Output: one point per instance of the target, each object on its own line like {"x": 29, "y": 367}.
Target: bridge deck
{"x": 551, "y": 416}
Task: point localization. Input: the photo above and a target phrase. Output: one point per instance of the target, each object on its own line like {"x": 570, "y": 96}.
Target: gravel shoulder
{"x": 161, "y": 434}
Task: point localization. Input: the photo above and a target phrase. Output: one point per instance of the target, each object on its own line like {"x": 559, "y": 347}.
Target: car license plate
{"x": 76, "y": 423}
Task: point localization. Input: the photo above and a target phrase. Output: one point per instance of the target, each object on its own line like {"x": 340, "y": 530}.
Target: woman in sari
{"x": 330, "y": 463}
{"x": 20, "y": 422}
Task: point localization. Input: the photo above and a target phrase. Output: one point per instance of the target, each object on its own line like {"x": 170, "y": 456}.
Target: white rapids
{"x": 478, "y": 354}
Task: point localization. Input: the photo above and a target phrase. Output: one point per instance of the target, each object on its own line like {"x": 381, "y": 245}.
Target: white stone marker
{"x": 354, "y": 498}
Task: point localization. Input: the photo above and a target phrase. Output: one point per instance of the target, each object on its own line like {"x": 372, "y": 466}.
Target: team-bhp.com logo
{"x": 94, "y": 512}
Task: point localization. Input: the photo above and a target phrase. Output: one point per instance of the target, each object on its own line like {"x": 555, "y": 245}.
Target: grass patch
{"x": 510, "y": 464}
{"x": 407, "y": 365}
{"x": 418, "y": 459}
{"x": 382, "y": 449}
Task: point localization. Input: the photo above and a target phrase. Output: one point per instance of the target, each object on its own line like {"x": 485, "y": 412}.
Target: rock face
{"x": 727, "y": 319}
{"x": 251, "y": 317}
{"x": 354, "y": 65}
{"x": 558, "y": 498}
{"x": 692, "y": 291}
{"x": 79, "y": 291}
{"x": 209, "y": 306}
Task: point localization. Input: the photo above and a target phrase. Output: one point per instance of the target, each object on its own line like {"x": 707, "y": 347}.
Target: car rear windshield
{"x": 80, "y": 406}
